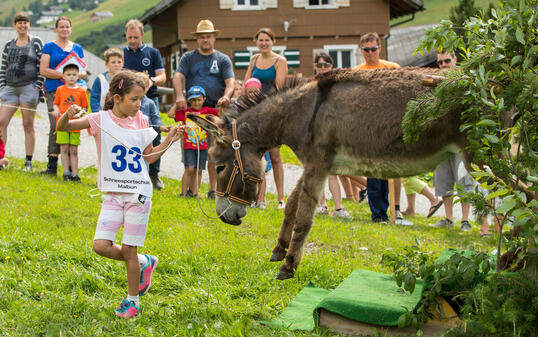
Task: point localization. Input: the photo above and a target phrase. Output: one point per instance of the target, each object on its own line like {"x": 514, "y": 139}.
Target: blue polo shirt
{"x": 144, "y": 58}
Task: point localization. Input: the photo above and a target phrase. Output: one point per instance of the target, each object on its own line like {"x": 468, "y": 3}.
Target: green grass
{"x": 213, "y": 279}
{"x": 437, "y": 10}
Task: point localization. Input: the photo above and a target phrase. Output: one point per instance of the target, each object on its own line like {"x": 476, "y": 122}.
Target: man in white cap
{"x": 210, "y": 69}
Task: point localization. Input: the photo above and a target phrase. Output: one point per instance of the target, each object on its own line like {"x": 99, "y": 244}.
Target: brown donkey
{"x": 345, "y": 122}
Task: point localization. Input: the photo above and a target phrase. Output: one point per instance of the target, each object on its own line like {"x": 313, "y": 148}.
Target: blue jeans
{"x": 378, "y": 197}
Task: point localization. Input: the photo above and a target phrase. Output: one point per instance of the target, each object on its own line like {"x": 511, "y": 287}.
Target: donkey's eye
{"x": 220, "y": 168}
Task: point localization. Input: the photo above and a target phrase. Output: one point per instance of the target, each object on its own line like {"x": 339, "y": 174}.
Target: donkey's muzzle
{"x": 235, "y": 222}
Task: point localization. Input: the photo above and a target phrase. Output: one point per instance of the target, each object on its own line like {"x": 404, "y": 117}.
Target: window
{"x": 277, "y": 49}
{"x": 318, "y": 2}
{"x": 344, "y": 56}
{"x": 247, "y": 4}
{"x": 321, "y": 4}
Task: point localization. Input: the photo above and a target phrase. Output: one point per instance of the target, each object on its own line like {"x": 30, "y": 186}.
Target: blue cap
{"x": 195, "y": 91}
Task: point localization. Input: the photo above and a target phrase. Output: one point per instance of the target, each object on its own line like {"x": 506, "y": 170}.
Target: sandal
{"x": 434, "y": 208}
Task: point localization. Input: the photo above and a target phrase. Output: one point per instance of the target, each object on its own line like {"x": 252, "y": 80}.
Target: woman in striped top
{"x": 21, "y": 85}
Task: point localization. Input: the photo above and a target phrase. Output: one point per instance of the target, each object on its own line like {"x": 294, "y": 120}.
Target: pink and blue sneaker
{"x": 127, "y": 309}
{"x": 145, "y": 274}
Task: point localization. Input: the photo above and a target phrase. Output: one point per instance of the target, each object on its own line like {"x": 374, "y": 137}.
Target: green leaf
{"x": 497, "y": 193}
{"x": 515, "y": 60}
{"x": 520, "y": 37}
{"x": 506, "y": 206}
{"x": 492, "y": 138}
{"x": 486, "y": 122}
{"x": 532, "y": 179}
{"x": 402, "y": 320}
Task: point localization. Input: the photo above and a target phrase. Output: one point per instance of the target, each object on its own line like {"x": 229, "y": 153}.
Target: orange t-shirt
{"x": 381, "y": 65}
{"x": 65, "y": 97}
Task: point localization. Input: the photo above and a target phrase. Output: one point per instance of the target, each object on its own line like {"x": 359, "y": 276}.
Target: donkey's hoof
{"x": 277, "y": 256}
{"x": 284, "y": 274}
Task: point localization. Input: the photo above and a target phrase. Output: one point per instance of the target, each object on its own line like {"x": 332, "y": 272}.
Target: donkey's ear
{"x": 210, "y": 125}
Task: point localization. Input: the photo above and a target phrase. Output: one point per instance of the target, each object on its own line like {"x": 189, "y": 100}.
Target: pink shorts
{"x": 127, "y": 209}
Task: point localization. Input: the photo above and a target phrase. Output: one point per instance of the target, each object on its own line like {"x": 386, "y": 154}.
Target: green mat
{"x": 364, "y": 296}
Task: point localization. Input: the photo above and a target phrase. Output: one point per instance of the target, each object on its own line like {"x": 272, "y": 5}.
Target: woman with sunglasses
{"x": 271, "y": 69}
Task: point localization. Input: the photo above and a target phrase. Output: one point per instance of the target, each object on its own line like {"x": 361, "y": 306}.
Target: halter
{"x": 238, "y": 167}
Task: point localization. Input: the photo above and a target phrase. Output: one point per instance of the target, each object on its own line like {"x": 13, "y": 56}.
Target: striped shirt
{"x": 20, "y": 64}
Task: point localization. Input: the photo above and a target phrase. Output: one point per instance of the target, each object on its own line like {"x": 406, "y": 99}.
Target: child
{"x": 149, "y": 109}
{"x": 114, "y": 63}
{"x": 121, "y": 134}
{"x": 66, "y": 96}
{"x": 194, "y": 140}
{"x": 3, "y": 160}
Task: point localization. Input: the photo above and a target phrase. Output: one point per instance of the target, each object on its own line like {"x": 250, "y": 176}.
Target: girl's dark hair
{"x": 324, "y": 56}
{"x": 266, "y": 31}
{"x": 121, "y": 84}
{"x": 61, "y": 18}
{"x": 21, "y": 16}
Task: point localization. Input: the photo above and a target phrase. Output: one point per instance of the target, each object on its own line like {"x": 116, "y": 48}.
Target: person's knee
{"x": 73, "y": 150}
{"x": 128, "y": 251}
{"x": 101, "y": 246}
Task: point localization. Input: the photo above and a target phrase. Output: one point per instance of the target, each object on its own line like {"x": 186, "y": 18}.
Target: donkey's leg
{"x": 309, "y": 195}
{"x": 279, "y": 252}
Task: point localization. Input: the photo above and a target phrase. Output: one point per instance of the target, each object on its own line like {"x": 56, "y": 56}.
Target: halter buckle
{"x": 236, "y": 145}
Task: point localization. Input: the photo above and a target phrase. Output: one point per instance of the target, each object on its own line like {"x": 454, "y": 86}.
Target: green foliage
{"x": 213, "y": 279}
{"x": 496, "y": 94}
{"x": 112, "y": 34}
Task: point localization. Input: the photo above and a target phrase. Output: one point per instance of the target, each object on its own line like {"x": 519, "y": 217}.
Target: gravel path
{"x": 171, "y": 165}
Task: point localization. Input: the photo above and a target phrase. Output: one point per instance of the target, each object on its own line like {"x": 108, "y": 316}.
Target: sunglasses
{"x": 323, "y": 65}
{"x": 447, "y": 61}
{"x": 369, "y": 49}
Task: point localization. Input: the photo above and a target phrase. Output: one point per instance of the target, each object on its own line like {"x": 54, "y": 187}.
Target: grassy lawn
{"x": 213, "y": 279}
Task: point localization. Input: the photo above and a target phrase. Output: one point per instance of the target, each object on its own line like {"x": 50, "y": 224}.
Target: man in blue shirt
{"x": 209, "y": 69}
{"x": 140, "y": 57}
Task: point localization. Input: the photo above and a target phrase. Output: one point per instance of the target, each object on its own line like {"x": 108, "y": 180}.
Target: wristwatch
{"x": 152, "y": 80}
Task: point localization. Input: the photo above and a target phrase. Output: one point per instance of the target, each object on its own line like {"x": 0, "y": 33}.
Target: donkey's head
{"x": 239, "y": 168}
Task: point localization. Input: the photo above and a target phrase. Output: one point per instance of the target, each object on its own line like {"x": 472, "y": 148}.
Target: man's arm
{"x": 178, "y": 82}
{"x": 224, "y": 101}
{"x": 160, "y": 77}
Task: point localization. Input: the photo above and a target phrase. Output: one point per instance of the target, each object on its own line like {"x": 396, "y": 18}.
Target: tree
{"x": 496, "y": 86}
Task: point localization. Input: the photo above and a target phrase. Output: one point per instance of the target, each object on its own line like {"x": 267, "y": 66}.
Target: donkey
{"x": 343, "y": 122}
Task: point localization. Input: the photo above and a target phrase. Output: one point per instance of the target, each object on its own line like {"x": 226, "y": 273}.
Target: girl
{"x": 123, "y": 137}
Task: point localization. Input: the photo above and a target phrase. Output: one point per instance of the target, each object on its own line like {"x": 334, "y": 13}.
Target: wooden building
{"x": 302, "y": 27}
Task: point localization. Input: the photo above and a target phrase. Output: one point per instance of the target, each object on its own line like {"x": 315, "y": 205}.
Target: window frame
{"x": 330, "y": 5}
{"x": 247, "y": 7}
{"x": 353, "y": 48}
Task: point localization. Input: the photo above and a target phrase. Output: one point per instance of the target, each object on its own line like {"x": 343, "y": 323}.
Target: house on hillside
{"x": 98, "y": 16}
{"x": 51, "y": 15}
{"x": 302, "y": 27}
{"x": 95, "y": 64}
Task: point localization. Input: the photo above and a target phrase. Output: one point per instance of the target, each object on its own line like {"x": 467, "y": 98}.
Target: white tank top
{"x": 122, "y": 170}
{"x": 104, "y": 90}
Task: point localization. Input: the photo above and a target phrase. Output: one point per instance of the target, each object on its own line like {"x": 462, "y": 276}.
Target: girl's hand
{"x": 166, "y": 128}
{"x": 73, "y": 110}
{"x": 174, "y": 134}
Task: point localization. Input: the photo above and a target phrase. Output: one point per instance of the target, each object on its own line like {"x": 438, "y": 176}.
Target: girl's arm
{"x": 157, "y": 151}
{"x": 250, "y": 68}
{"x": 172, "y": 111}
{"x": 66, "y": 124}
{"x": 281, "y": 72}
{"x": 45, "y": 70}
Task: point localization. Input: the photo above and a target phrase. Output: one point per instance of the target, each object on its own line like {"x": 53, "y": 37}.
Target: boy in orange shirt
{"x": 67, "y": 95}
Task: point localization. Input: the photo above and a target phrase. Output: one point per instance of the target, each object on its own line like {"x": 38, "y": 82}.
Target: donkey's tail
{"x": 325, "y": 83}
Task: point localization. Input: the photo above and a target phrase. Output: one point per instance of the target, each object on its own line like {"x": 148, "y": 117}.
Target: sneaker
{"x": 341, "y": 213}
{"x": 322, "y": 209}
{"x": 211, "y": 194}
{"x": 145, "y": 274}
{"x": 157, "y": 182}
{"x": 442, "y": 223}
{"x": 27, "y": 166}
{"x": 2, "y": 166}
{"x": 379, "y": 220}
{"x": 465, "y": 226}
{"x": 75, "y": 178}
{"x": 261, "y": 205}
{"x": 281, "y": 205}
{"x": 127, "y": 309}
{"x": 399, "y": 220}
{"x": 189, "y": 194}
{"x": 67, "y": 177}
{"x": 363, "y": 194}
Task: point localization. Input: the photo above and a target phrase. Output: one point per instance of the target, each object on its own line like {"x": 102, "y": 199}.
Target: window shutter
{"x": 300, "y": 3}
{"x": 341, "y": 3}
{"x": 227, "y": 4}
{"x": 241, "y": 59}
{"x": 269, "y": 3}
{"x": 292, "y": 57}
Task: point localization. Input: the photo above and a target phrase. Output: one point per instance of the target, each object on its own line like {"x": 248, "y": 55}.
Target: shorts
{"x": 190, "y": 158}
{"x": 50, "y": 100}
{"x": 26, "y": 95}
{"x": 413, "y": 185}
{"x": 450, "y": 172}
{"x": 127, "y": 209}
{"x": 65, "y": 137}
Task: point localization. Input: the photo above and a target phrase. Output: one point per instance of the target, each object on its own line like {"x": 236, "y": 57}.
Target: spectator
{"x": 114, "y": 63}
{"x": 3, "y": 159}
{"x": 378, "y": 188}
{"x": 67, "y": 95}
{"x": 21, "y": 85}
{"x": 451, "y": 171}
{"x": 323, "y": 63}
{"x": 195, "y": 143}
{"x": 412, "y": 186}
{"x": 210, "y": 69}
{"x": 141, "y": 58}
{"x": 271, "y": 69}
{"x": 53, "y": 54}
